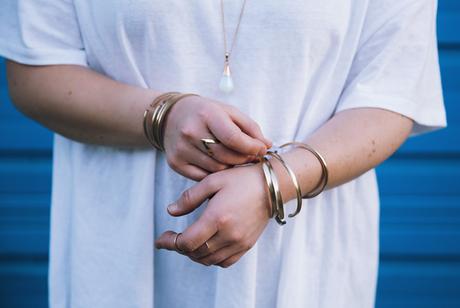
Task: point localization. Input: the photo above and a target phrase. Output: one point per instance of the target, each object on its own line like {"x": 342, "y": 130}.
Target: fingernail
{"x": 172, "y": 208}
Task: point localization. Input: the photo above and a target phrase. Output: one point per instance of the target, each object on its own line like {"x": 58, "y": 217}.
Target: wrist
{"x": 306, "y": 168}
{"x": 156, "y": 114}
{"x": 145, "y": 100}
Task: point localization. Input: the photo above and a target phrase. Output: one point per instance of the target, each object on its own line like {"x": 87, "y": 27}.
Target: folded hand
{"x": 237, "y": 213}
{"x": 196, "y": 117}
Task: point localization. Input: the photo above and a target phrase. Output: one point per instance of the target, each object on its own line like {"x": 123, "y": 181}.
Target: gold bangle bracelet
{"x": 167, "y": 107}
{"x": 278, "y": 198}
{"x": 271, "y": 189}
{"x": 324, "y": 175}
{"x": 293, "y": 177}
{"x": 155, "y": 121}
{"x": 158, "y": 119}
{"x": 156, "y": 114}
{"x": 148, "y": 129}
{"x": 146, "y": 132}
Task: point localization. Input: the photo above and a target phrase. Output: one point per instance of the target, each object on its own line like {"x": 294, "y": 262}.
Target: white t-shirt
{"x": 295, "y": 64}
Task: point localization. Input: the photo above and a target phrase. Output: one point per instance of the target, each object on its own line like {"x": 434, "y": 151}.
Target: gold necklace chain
{"x": 229, "y": 52}
{"x": 226, "y": 82}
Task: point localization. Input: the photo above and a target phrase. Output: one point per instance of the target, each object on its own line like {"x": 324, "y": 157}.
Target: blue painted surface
{"x": 419, "y": 186}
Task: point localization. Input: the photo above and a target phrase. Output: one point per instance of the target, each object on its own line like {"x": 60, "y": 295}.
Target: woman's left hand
{"x": 237, "y": 213}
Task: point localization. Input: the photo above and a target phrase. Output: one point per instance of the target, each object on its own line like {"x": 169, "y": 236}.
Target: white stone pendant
{"x": 226, "y": 82}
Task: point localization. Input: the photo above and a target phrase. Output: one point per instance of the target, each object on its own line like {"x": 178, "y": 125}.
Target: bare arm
{"x": 79, "y": 103}
{"x": 352, "y": 142}
{"x": 89, "y": 107}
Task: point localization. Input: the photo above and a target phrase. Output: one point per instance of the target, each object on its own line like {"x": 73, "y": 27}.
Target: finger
{"x": 232, "y": 260}
{"x": 192, "y": 172}
{"x": 227, "y": 132}
{"x": 204, "y": 161}
{"x": 221, "y": 255}
{"x": 196, "y": 234}
{"x": 225, "y": 155}
{"x": 193, "y": 197}
{"x": 166, "y": 241}
{"x": 202, "y": 251}
{"x": 214, "y": 244}
{"x": 247, "y": 124}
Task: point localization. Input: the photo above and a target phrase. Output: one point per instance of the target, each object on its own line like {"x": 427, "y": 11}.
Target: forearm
{"x": 352, "y": 142}
{"x": 80, "y": 104}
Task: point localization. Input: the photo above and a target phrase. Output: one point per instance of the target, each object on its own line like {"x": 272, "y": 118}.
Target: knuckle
{"x": 187, "y": 132}
{"x": 236, "y": 236}
{"x": 203, "y": 114}
{"x": 232, "y": 137}
{"x": 223, "y": 221}
{"x": 187, "y": 197}
{"x": 187, "y": 246}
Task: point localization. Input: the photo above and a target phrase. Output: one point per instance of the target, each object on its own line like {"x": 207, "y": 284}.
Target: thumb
{"x": 193, "y": 197}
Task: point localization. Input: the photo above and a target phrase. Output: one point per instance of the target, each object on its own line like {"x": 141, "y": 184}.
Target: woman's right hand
{"x": 193, "y": 118}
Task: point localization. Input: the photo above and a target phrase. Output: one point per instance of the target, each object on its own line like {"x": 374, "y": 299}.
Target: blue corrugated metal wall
{"x": 420, "y": 190}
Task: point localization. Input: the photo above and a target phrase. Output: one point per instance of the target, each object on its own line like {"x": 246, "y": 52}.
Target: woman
{"x": 352, "y": 79}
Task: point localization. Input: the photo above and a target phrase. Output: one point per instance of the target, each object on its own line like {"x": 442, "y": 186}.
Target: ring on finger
{"x": 203, "y": 251}
{"x": 206, "y": 143}
{"x": 175, "y": 243}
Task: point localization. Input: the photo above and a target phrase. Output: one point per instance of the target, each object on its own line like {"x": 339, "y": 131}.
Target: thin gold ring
{"x": 175, "y": 242}
{"x": 208, "y": 141}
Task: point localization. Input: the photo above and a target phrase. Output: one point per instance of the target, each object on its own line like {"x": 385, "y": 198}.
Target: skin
{"x": 85, "y": 106}
{"x": 89, "y": 107}
{"x": 352, "y": 142}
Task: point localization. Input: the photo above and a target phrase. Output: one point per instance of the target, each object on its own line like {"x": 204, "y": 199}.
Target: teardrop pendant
{"x": 226, "y": 81}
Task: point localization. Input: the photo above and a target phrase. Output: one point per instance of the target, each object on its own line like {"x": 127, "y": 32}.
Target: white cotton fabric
{"x": 295, "y": 64}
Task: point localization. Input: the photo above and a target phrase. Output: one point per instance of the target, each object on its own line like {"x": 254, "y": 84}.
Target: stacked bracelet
{"x": 293, "y": 179}
{"x": 155, "y": 117}
{"x": 276, "y": 201}
{"x": 324, "y": 172}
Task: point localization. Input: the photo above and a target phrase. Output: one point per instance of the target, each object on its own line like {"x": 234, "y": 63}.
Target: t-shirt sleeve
{"x": 40, "y": 32}
{"x": 396, "y": 66}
